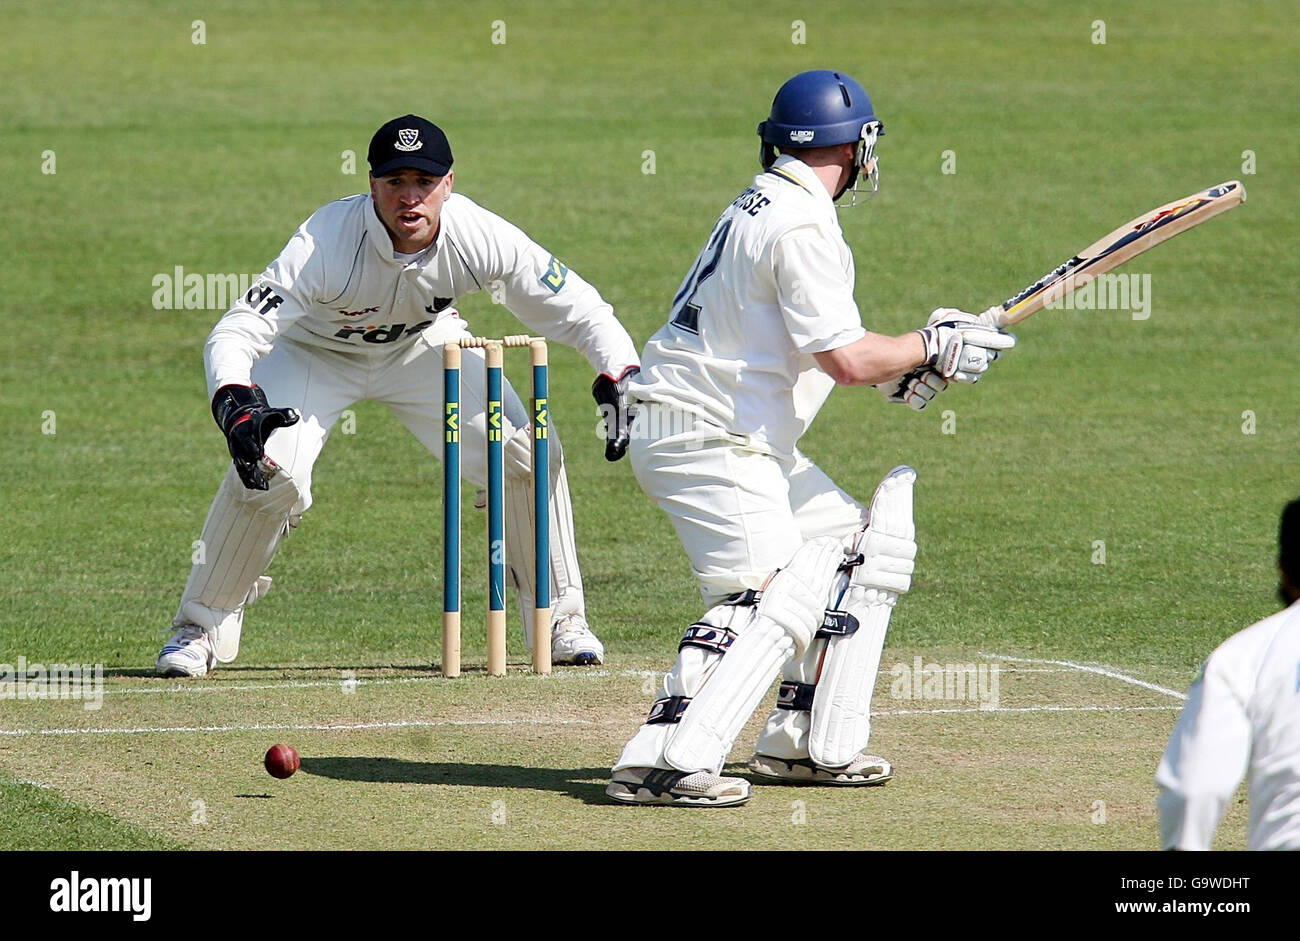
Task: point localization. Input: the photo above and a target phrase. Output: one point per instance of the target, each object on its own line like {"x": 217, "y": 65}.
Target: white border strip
{"x": 1100, "y": 671}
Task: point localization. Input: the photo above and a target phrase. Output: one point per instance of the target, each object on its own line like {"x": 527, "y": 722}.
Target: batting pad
{"x": 719, "y": 711}
{"x": 783, "y": 624}
{"x": 841, "y": 708}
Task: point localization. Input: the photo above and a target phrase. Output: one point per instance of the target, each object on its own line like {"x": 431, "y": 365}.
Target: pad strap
{"x": 668, "y": 710}
{"x": 798, "y": 696}
{"x": 837, "y": 624}
{"x": 708, "y": 637}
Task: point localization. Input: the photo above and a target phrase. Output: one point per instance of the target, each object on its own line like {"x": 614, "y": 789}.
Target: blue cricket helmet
{"x": 821, "y": 108}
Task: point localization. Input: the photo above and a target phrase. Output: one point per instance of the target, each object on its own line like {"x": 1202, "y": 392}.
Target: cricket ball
{"x": 281, "y": 761}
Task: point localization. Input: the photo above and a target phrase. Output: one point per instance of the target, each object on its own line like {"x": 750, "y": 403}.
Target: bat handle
{"x": 992, "y": 317}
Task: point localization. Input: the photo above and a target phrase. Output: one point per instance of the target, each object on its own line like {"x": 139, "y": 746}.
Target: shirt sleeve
{"x": 552, "y": 300}
{"x": 279, "y": 296}
{"x": 1206, "y": 758}
{"x": 815, "y": 292}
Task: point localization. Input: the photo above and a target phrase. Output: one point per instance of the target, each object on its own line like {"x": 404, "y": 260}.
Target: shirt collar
{"x": 791, "y": 168}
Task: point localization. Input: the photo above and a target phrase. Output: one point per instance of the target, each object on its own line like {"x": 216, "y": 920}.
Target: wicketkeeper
{"x": 357, "y": 307}
{"x": 761, "y": 330}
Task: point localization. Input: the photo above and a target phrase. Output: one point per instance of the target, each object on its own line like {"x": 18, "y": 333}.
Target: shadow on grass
{"x": 584, "y": 784}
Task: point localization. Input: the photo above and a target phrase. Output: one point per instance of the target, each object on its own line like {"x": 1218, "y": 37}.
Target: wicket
{"x": 496, "y": 595}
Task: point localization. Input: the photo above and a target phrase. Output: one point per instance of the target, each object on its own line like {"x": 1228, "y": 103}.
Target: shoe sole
{"x": 627, "y": 793}
{"x": 578, "y": 660}
{"x": 802, "y": 776}
{"x": 175, "y": 672}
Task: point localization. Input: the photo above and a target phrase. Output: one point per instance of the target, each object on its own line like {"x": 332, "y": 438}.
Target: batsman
{"x": 357, "y": 307}
{"x": 799, "y": 579}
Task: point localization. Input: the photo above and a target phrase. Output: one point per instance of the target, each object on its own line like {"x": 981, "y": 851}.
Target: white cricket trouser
{"x": 740, "y": 512}
{"x": 240, "y": 537}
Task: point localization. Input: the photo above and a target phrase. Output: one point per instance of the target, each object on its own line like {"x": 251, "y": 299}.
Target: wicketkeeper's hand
{"x": 914, "y": 389}
{"x": 246, "y": 418}
{"x": 959, "y": 347}
{"x": 611, "y": 396}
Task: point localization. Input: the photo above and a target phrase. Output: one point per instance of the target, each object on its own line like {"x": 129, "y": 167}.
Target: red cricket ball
{"x": 281, "y": 761}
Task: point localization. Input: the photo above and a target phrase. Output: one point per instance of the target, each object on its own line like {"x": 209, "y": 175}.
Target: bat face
{"x": 1129, "y": 240}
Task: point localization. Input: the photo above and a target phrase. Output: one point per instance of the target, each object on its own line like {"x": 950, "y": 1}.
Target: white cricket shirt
{"x": 773, "y": 285}
{"x": 1242, "y": 717}
{"x": 337, "y": 286}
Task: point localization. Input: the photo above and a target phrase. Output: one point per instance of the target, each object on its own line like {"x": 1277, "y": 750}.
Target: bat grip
{"x": 992, "y": 317}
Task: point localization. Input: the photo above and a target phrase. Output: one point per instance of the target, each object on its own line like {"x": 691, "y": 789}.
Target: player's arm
{"x": 872, "y": 359}
{"x": 242, "y": 336}
{"x": 952, "y": 343}
{"x": 278, "y": 297}
{"x": 557, "y": 303}
{"x": 815, "y": 292}
{"x": 1205, "y": 760}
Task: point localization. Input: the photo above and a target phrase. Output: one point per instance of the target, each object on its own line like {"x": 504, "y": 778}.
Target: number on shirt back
{"x": 686, "y": 313}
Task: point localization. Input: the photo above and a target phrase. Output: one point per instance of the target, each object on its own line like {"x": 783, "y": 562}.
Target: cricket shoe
{"x": 863, "y": 771}
{"x": 573, "y": 643}
{"x": 189, "y": 653}
{"x": 685, "y": 788}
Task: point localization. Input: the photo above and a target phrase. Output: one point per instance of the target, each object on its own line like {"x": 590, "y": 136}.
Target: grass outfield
{"x": 1171, "y": 440}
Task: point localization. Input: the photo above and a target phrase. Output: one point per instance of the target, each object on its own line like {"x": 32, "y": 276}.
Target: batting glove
{"x": 959, "y": 347}
{"x": 915, "y": 389}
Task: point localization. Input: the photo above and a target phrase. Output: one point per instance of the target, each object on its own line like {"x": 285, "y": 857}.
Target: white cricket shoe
{"x": 572, "y": 642}
{"x": 863, "y": 770}
{"x": 687, "y": 789}
{"x": 189, "y": 653}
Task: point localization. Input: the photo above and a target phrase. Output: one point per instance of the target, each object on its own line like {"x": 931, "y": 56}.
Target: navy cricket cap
{"x": 409, "y": 141}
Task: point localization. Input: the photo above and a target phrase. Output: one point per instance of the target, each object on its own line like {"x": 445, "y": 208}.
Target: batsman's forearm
{"x": 873, "y": 359}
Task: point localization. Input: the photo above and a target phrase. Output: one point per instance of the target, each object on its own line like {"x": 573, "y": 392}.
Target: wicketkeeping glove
{"x": 246, "y": 418}
{"x": 914, "y": 389}
{"x": 611, "y": 397}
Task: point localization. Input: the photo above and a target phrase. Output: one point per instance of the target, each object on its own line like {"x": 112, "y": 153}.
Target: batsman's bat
{"x": 1131, "y": 239}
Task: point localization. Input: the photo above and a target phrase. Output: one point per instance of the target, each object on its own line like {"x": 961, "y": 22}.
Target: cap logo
{"x": 801, "y": 137}
{"x": 408, "y": 139}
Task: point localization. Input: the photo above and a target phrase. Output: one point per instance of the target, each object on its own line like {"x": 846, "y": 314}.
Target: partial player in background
{"x": 761, "y": 330}
{"x": 1242, "y": 718}
{"x": 357, "y": 307}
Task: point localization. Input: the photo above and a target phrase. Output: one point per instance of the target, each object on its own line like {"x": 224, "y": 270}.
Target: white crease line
{"x": 379, "y": 681}
{"x": 1101, "y": 671}
{"x": 944, "y": 712}
{"x": 189, "y": 688}
{"x": 290, "y": 727}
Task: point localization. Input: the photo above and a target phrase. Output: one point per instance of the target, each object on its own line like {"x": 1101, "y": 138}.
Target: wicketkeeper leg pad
{"x": 566, "y": 579}
{"x": 240, "y": 537}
